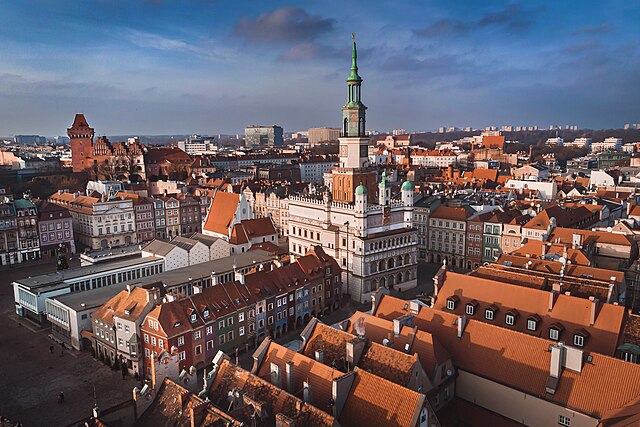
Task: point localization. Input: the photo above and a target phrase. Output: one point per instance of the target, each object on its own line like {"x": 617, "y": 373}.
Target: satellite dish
{"x": 609, "y": 229}
{"x": 385, "y": 342}
{"x": 562, "y": 260}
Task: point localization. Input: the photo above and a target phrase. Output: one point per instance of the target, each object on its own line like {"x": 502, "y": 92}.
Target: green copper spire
{"x": 353, "y": 112}
{"x": 354, "y": 63}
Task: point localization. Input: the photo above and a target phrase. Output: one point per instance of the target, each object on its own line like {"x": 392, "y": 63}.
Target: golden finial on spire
{"x": 353, "y": 36}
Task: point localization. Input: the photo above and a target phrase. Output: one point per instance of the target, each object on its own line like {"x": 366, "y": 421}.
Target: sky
{"x": 215, "y": 66}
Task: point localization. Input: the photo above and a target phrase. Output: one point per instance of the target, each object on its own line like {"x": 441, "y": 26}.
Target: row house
{"x": 493, "y": 230}
{"x": 216, "y": 318}
{"x": 475, "y": 239}
{"x": 144, "y": 216}
{"x": 115, "y": 336}
{"x": 270, "y": 204}
{"x": 28, "y": 235}
{"x": 160, "y": 218}
{"x": 236, "y": 315}
{"x": 447, "y": 235}
{"x": 8, "y": 234}
{"x": 190, "y": 215}
{"x": 56, "y": 229}
{"x": 172, "y": 216}
{"x": 422, "y": 209}
{"x": 99, "y": 223}
{"x": 511, "y": 238}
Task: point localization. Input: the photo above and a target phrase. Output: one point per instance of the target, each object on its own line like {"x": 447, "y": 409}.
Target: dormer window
{"x": 205, "y": 314}
{"x": 510, "y": 317}
{"x": 470, "y": 308}
{"x": 532, "y": 322}
{"x": 452, "y": 301}
{"x": 490, "y": 312}
{"x": 193, "y": 317}
{"x": 579, "y": 337}
{"x": 554, "y": 331}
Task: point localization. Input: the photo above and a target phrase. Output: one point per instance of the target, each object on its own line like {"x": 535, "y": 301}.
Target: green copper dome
{"x": 361, "y": 190}
{"x": 407, "y": 185}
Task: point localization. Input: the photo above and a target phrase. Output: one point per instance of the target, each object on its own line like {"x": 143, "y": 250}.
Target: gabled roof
{"x": 127, "y": 304}
{"x": 572, "y": 312}
{"x": 221, "y": 212}
{"x": 248, "y": 229}
{"x": 522, "y": 361}
{"x": 455, "y": 214}
{"x": 159, "y": 247}
{"x": 230, "y": 377}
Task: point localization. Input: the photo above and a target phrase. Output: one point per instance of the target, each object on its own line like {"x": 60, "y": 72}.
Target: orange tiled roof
{"x": 565, "y": 235}
{"x": 455, "y": 214}
{"x": 126, "y": 305}
{"x": 248, "y": 229}
{"x": 221, "y": 212}
{"x": 395, "y": 405}
{"x": 522, "y": 361}
{"x": 572, "y": 312}
{"x": 385, "y": 362}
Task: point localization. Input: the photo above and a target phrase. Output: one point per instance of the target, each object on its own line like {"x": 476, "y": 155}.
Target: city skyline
{"x": 214, "y": 67}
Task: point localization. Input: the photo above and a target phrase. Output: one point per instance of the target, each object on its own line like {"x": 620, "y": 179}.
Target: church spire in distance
{"x": 353, "y": 112}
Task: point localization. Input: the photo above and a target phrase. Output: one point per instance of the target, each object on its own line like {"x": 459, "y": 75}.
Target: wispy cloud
{"x": 513, "y": 18}
{"x": 284, "y": 25}
{"x": 154, "y": 41}
{"x": 593, "y": 29}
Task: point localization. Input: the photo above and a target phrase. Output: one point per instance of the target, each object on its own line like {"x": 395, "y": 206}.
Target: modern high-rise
{"x": 263, "y": 136}
{"x": 358, "y": 223}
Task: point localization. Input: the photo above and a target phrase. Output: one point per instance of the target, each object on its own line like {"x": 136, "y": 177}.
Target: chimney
{"x": 593, "y": 310}
{"x": 544, "y": 250}
{"x": 129, "y": 288}
{"x": 557, "y": 360}
{"x": 552, "y": 299}
{"x": 461, "y": 322}
{"x": 355, "y": 347}
{"x": 275, "y": 375}
{"x": 340, "y": 392}
{"x": 319, "y": 356}
{"x": 576, "y": 241}
{"x": 398, "y": 323}
{"x": 153, "y": 371}
{"x": 306, "y": 391}
{"x": 239, "y": 276}
{"x": 288, "y": 371}
{"x": 284, "y": 421}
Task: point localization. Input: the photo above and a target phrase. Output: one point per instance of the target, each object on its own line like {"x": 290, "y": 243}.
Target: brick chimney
{"x": 340, "y": 391}
{"x": 593, "y": 310}
{"x": 552, "y": 299}
{"x": 555, "y": 368}
{"x": 288, "y": 371}
{"x": 355, "y": 347}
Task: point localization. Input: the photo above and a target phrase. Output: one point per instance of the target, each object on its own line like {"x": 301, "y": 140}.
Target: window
{"x": 469, "y": 310}
{"x": 221, "y": 339}
{"x": 180, "y": 341}
{"x": 270, "y": 320}
{"x": 553, "y": 334}
{"x": 146, "y": 338}
{"x": 182, "y": 355}
{"x": 153, "y": 340}
{"x": 197, "y": 335}
{"x": 578, "y": 340}
{"x": 161, "y": 343}
{"x": 488, "y": 314}
{"x": 451, "y": 305}
{"x": 209, "y": 344}
{"x": 270, "y": 306}
{"x": 229, "y": 335}
{"x": 147, "y": 353}
{"x": 510, "y": 319}
{"x": 230, "y": 321}
{"x": 209, "y": 330}
{"x": 241, "y": 317}
{"x": 241, "y": 331}
{"x": 198, "y": 349}
{"x": 221, "y": 324}
{"x": 563, "y": 420}
{"x": 120, "y": 342}
{"x": 532, "y": 324}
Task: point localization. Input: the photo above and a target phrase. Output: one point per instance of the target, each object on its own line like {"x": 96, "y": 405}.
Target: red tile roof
{"x": 522, "y": 361}
{"x": 221, "y": 213}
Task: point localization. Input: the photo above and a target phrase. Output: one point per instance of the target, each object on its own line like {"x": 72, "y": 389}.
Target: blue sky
{"x": 214, "y": 66}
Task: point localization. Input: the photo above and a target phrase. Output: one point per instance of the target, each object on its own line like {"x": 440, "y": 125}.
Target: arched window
{"x": 345, "y": 131}
{"x": 390, "y": 263}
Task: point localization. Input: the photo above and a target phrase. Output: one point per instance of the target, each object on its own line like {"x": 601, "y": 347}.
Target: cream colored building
{"x": 265, "y": 205}
{"x": 100, "y": 223}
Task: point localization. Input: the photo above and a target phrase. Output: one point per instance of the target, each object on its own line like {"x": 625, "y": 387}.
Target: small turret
{"x": 384, "y": 190}
{"x": 361, "y": 198}
{"x": 407, "y": 193}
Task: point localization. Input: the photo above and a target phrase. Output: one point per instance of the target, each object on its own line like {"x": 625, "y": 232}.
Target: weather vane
{"x": 353, "y": 36}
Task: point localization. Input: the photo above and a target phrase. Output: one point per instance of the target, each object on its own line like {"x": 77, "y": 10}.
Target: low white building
{"x": 546, "y": 190}
{"x": 218, "y": 248}
{"x": 174, "y": 256}
{"x": 197, "y": 252}
{"x": 609, "y": 144}
{"x": 601, "y": 178}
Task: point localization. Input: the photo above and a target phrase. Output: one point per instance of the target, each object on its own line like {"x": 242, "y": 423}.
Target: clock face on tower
{"x": 353, "y": 117}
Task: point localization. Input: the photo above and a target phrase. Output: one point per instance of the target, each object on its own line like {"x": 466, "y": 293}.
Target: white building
{"x": 579, "y": 143}
{"x": 370, "y": 235}
{"x": 313, "y": 171}
{"x": 609, "y": 144}
{"x": 546, "y": 190}
{"x": 558, "y": 141}
{"x": 600, "y": 178}
{"x": 197, "y": 145}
